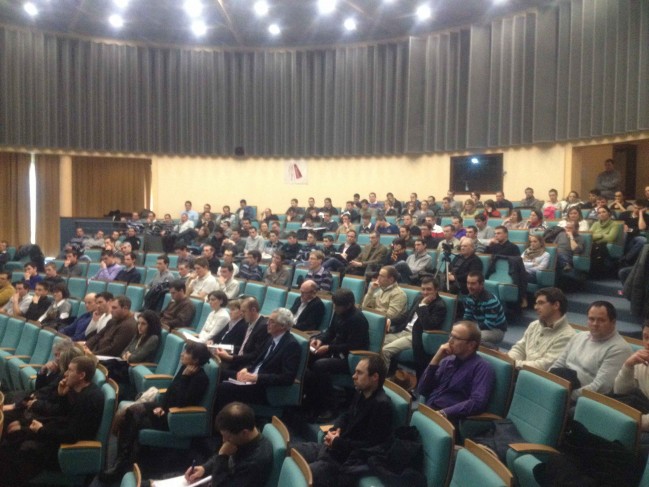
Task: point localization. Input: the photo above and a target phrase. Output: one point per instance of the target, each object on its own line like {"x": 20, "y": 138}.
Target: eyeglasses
{"x": 452, "y": 338}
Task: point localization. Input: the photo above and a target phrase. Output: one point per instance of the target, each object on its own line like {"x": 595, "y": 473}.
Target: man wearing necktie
{"x": 276, "y": 365}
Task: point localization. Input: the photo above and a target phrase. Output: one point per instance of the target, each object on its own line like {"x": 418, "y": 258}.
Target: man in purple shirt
{"x": 109, "y": 268}
{"x": 458, "y": 382}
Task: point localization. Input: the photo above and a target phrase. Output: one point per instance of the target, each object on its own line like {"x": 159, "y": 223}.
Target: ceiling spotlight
{"x": 260, "y": 8}
{"x": 193, "y": 7}
{"x": 326, "y": 6}
{"x": 31, "y": 9}
{"x": 121, "y": 3}
{"x": 274, "y": 29}
{"x": 199, "y": 28}
{"x": 350, "y": 24}
{"x": 423, "y": 12}
{"x": 474, "y": 160}
{"x": 116, "y": 21}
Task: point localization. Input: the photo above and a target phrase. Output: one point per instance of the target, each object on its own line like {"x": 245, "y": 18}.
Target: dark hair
{"x": 180, "y": 246}
{"x": 430, "y": 280}
{"x": 106, "y": 295}
{"x": 123, "y": 301}
{"x": 610, "y": 309}
{"x": 392, "y": 271}
{"x": 164, "y": 258}
{"x": 256, "y": 254}
{"x": 376, "y": 365}
{"x": 61, "y": 287}
{"x": 198, "y": 351}
{"x": 595, "y": 192}
{"x": 221, "y": 296}
{"x": 343, "y": 297}
{"x": 538, "y": 213}
{"x": 132, "y": 255}
{"x": 481, "y": 217}
{"x": 73, "y": 252}
{"x": 477, "y": 274}
{"x": 399, "y": 241}
{"x": 202, "y": 262}
{"x": 503, "y": 228}
{"x": 86, "y": 365}
{"x": 251, "y": 302}
{"x": 608, "y": 210}
{"x": 554, "y": 295}
{"x": 152, "y": 319}
{"x": 235, "y": 417}
{"x": 225, "y": 265}
{"x": 178, "y": 285}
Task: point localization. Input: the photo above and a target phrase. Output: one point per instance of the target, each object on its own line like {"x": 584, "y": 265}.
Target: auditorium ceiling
{"x": 242, "y": 23}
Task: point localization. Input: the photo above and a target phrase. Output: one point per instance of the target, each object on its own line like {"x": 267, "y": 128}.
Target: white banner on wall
{"x": 295, "y": 172}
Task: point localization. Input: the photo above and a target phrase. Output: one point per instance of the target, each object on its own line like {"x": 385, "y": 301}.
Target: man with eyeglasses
{"x": 458, "y": 382}
{"x": 545, "y": 338}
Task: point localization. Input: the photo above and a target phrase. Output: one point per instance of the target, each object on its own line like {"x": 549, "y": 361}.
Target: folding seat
{"x": 187, "y": 423}
{"x": 116, "y": 288}
{"x": 275, "y": 298}
{"x": 41, "y": 354}
{"x": 11, "y": 337}
{"x": 96, "y": 287}
{"x": 160, "y": 374}
{"x": 84, "y": 458}
{"x": 151, "y": 259}
{"x": 24, "y": 348}
{"x": 27, "y": 372}
{"x": 295, "y": 472}
{"x": 474, "y": 465}
{"x": 599, "y": 414}
{"x": 277, "y": 433}
{"x": 255, "y": 289}
{"x": 132, "y": 478}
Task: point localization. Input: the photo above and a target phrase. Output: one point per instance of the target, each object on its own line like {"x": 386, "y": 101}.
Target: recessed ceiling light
{"x": 121, "y": 3}
{"x": 199, "y": 28}
{"x": 116, "y": 21}
{"x": 326, "y": 6}
{"x": 31, "y": 9}
{"x": 260, "y": 8}
{"x": 274, "y": 29}
{"x": 423, "y": 12}
{"x": 350, "y": 24}
{"x": 193, "y": 7}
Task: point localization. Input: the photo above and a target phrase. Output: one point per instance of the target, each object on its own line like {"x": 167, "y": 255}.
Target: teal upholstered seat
{"x": 295, "y": 472}
{"x": 475, "y": 466}
{"x": 277, "y": 433}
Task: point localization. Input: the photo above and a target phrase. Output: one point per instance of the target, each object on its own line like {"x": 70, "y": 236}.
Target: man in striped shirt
{"x": 483, "y": 308}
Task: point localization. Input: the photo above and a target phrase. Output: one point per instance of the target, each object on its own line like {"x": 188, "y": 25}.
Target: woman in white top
{"x": 574, "y": 215}
{"x": 218, "y": 318}
{"x": 535, "y": 257}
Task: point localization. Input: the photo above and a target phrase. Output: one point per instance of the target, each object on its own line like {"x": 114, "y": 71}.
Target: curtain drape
{"x": 47, "y": 203}
{"x": 102, "y": 184}
{"x": 14, "y": 198}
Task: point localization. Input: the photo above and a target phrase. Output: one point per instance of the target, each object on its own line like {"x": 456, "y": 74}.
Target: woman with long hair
{"x": 535, "y": 257}
{"x": 574, "y": 215}
{"x": 144, "y": 344}
{"x": 514, "y": 221}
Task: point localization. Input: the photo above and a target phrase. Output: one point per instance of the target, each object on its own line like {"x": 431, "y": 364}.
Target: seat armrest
{"x": 25, "y": 357}
{"x": 435, "y": 332}
{"x": 187, "y": 410}
{"x": 532, "y": 448}
{"x": 35, "y": 366}
{"x": 144, "y": 364}
{"x": 158, "y": 376}
{"x": 364, "y": 353}
{"x": 484, "y": 417}
{"x": 7, "y": 349}
{"x": 80, "y": 444}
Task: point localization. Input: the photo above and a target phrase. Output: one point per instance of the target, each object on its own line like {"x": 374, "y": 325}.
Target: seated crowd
{"x": 216, "y": 252}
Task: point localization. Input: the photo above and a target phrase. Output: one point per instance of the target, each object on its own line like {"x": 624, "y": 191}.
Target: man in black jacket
{"x": 366, "y": 424}
{"x": 462, "y": 265}
{"x": 276, "y": 365}
{"x": 500, "y": 244}
{"x": 348, "y": 331}
{"x": 30, "y": 449}
{"x": 308, "y": 310}
{"x": 427, "y": 312}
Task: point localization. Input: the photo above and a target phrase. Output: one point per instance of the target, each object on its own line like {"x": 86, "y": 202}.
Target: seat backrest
{"x": 198, "y": 310}
{"x": 539, "y": 406}
{"x": 298, "y": 272}
{"x": 116, "y": 288}
{"x": 501, "y": 272}
{"x": 213, "y": 371}
{"x": 203, "y": 312}
{"x": 474, "y": 466}
{"x": 290, "y": 298}
{"x": 518, "y": 235}
{"x": 328, "y": 314}
{"x": 28, "y": 339}
{"x": 170, "y": 357}
{"x": 412, "y": 292}
{"x": 93, "y": 254}
{"x": 96, "y": 286}
{"x": 295, "y": 472}
{"x": 135, "y": 292}
{"x": 43, "y": 347}
{"x": 13, "y": 332}
{"x": 111, "y": 391}
{"x": 255, "y": 289}
{"x": 376, "y": 321}
{"x": 335, "y": 281}
{"x": 450, "y": 300}
{"x": 504, "y": 370}
{"x": 401, "y": 402}
{"x": 608, "y": 418}
{"x": 93, "y": 268}
{"x": 161, "y": 345}
{"x": 133, "y": 478}
{"x": 356, "y": 285}
{"x": 77, "y": 287}
{"x": 3, "y": 325}
{"x": 275, "y": 298}
{"x": 277, "y": 434}
{"x": 438, "y": 438}
{"x": 151, "y": 259}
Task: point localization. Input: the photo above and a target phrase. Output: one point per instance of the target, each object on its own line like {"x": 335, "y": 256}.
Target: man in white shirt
{"x": 203, "y": 282}
{"x": 101, "y": 316}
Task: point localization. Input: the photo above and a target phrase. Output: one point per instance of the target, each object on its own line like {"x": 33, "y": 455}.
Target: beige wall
{"x": 261, "y": 181}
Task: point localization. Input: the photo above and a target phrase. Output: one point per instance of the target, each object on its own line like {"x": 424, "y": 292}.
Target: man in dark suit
{"x": 463, "y": 264}
{"x": 254, "y": 340}
{"x": 347, "y": 252}
{"x": 308, "y": 310}
{"x": 276, "y": 365}
{"x": 366, "y": 424}
{"x": 348, "y": 331}
{"x": 427, "y": 312}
